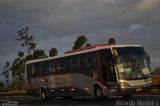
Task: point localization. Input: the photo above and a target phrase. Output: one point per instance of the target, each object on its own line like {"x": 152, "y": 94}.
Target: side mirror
{"x": 148, "y": 58}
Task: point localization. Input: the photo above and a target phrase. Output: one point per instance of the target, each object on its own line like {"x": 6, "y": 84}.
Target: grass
{"x": 15, "y": 91}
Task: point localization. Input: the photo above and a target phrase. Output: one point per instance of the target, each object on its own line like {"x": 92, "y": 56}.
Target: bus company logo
{"x": 42, "y": 79}
{"x": 9, "y": 103}
{"x": 63, "y": 78}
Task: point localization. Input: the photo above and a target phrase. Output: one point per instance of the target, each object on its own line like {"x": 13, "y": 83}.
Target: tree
{"x": 38, "y": 54}
{"x": 5, "y": 72}
{"x": 20, "y": 54}
{"x": 53, "y": 52}
{"x": 1, "y": 85}
{"x": 18, "y": 66}
{"x": 111, "y": 41}
{"x": 18, "y": 69}
{"x": 26, "y": 40}
{"x": 29, "y": 57}
{"x": 80, "y": 42}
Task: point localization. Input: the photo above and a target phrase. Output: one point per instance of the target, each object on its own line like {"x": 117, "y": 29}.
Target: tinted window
{"x": 37, "y": 71}
{"x": 52, "y": 66}
{"x": 45, "y": 68}
{"x": 129, "y": 50}
{"x": 64, "y": 64}
{"x": 82, "y": 63}
{"x": 87, "y": 62}
{"x": 33, "y": 70}
{"x": 29, "y": 70}
{"x": 74, "y": 63}
{"x": 61, "y": 64}
{"x": 90, "y": 60}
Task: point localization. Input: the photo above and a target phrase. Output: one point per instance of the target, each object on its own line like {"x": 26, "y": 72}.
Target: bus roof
{"x": 82, "y": 50}
{"x": 86, "y": 48}
{"x": 98, "y": 46}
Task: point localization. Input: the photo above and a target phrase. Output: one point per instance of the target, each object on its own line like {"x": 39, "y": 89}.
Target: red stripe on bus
{"x": 86, "y": 48}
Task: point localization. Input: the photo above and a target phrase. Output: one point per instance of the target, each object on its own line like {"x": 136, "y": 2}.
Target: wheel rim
{"x": 99, "y": 93}
{"x": 43, "y": 95}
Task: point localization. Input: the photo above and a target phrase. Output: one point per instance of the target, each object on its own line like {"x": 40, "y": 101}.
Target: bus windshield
{"x": 132, "y": 63}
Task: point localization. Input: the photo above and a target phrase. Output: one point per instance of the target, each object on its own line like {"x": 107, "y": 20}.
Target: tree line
{"x": 17, "y": 67}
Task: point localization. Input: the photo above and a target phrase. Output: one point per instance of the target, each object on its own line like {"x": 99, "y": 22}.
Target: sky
{"x": 57, "y": 24}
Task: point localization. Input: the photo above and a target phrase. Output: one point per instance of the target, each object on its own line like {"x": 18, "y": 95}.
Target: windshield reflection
{"x": 133, "y": 67}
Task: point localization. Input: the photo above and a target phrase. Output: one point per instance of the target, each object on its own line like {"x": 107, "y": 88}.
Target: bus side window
{"x": 82, "y": 64}
{"x": 91, "y": 60}
{"x": 29, "y": 70}
{"x": 52, "y": 66}
{"x": 37, "y": 71}
{"x": 46, "y": 68}
{"x": 57, "y": 65}
{"x": 63, "y": 64}
{"x": 42, "y": 68}
{"x": 87, "y": 63}
{"x": 60, "y": 65}
{"x": 73, "y": 63}
{"x": 33, "y": 70}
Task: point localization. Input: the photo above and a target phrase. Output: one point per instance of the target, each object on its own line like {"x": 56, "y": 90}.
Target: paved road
{"x": 116, "y": 101}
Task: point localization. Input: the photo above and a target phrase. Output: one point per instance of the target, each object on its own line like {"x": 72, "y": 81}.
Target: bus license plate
{"x": 138, "y": 89}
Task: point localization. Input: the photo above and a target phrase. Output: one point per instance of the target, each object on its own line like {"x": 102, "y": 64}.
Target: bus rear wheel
{"x": 98, "y": 93}
{"x": 44, "y": 96}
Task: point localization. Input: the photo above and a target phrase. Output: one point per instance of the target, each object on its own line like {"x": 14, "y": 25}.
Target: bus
{"x": 100, "y": 70}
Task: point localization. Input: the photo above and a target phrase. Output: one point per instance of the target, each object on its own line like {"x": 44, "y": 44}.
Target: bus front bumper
{"x": 134, "y": 90}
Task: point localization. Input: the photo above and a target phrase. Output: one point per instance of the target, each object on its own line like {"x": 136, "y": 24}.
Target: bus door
{"x": 108, "y": 70}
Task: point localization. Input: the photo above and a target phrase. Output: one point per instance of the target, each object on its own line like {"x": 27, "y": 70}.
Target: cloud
{"x": 145, "y": 5}
{"x": 136, "y": 26}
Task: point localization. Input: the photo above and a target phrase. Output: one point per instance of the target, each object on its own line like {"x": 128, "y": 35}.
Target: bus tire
{"x": 44, "y": 96}
{"x": 98, "y": 93}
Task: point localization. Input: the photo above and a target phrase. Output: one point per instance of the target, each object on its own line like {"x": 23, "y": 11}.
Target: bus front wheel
{"x": 98, "y": 93}
{"x": 44, "y": 96}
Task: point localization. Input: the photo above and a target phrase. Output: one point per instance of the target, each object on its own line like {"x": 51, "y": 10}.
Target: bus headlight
{"x": 124, "y": 84}
{"x": 150, "y": 80}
